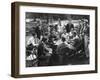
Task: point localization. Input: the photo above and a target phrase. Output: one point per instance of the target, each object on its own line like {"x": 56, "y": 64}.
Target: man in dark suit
{"x": 39, "y": 31}
{"x": 69, "y": 26}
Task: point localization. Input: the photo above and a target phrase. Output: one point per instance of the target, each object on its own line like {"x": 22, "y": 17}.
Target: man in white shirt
{"x": 33, "y": 40}
{"x": 31, "y": 44}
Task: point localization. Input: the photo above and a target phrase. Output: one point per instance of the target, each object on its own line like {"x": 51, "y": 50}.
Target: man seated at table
{"x": 33, "y": 40}
{"x": 60, "y": 52}
{"x": 52, "y": 37}
{"x": 64, "y": 34}
{"x": 74, "y": 43}
{"x": 44, "y": 52}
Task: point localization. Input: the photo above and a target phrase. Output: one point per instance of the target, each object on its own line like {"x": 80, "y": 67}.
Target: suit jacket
{"x": 68, "y": 27}
{"x": 38, "y": 32}
{"x": 60, "y": 48}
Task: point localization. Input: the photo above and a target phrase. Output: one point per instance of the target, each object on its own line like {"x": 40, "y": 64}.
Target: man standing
{"x": 38, "y": 30}
{"x": 69, "y": 26}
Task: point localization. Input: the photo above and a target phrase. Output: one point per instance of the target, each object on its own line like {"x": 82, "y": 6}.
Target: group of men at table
{"x": 54, "y": 42}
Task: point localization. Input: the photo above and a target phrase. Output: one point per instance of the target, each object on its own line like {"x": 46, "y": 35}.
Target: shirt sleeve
{"x": 31, "y": 41}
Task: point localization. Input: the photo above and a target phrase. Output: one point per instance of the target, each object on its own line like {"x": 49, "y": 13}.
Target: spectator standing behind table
{"x": 86, "y": 38}
{"x": 38, "y": 30}
{"x": 60, "y": 26}
{"x": 69, "y": 26}
{"x": 84, "y": 35}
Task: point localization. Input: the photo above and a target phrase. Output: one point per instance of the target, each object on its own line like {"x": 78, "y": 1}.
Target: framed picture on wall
{"x": 53, "y": 39}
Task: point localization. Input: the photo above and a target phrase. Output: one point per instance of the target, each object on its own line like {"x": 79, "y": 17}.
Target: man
{"x": 59, "y": 25}
{"x": 44, "y": 53}
{"x": 69, "y": 26}
{"x": 38, "y": 30}
{"x": 86, "y": 38}
{"x": 41, "y": 53}
{"x": 33, "y": 40}
{"x": 64, "y": 34}
{"x": 61, "y": 52}
{"x": 31, "y": 49}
